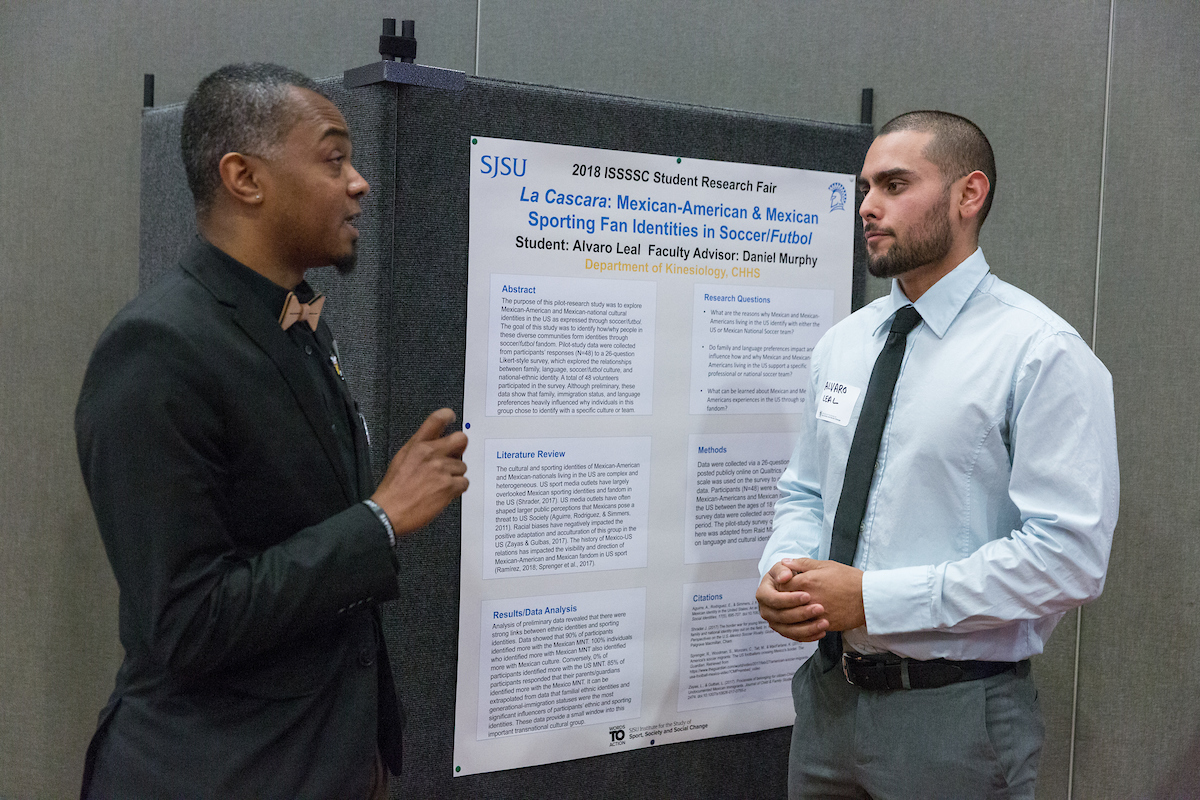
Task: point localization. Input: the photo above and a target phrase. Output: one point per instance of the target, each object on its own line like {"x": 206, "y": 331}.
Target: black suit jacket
{"x": 248, "y": 569}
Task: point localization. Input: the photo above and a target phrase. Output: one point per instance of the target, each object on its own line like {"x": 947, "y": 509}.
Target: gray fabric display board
{"x": 401, "y": 323}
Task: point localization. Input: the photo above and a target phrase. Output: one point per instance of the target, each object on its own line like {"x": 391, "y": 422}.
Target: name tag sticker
{"x": 837, "y": 402}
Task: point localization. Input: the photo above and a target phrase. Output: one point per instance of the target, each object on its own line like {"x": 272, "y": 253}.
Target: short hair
{"x": 240, "y": 108}
{"x": 958, "y": 147}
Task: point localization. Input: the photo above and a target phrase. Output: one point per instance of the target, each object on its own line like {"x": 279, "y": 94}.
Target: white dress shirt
{"x": 995, "y": 492}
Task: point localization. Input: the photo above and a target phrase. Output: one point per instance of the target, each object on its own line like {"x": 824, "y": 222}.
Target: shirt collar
{"x": 941, "y": 303}
{"x": 270, "y": 293}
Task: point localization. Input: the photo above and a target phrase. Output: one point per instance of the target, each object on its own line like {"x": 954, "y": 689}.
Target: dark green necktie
{"x": 864, "y": 450}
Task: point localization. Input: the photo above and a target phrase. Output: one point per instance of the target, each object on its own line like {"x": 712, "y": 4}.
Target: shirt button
{"x": 308, "y": 350}
{"x": 366, "y": 657}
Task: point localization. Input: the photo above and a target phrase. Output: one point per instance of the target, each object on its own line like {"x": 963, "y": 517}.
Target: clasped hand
{"x": 802, "y": 598}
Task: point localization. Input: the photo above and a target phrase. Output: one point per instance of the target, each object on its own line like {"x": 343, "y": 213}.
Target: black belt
{"x": 886, "y": 671}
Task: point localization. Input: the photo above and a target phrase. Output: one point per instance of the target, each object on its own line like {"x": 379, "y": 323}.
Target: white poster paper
{"x": 562, "y": 661}
{"x": 751, "y": 346}
{"x": 731, "y": 495}
{"x": 565, "y": 505}
{"x": 570, "y": 346}
{"x": 626, "y": 311}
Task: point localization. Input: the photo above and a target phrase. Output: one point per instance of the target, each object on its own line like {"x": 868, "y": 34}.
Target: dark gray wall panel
{"x": 1139, "y": 685}
{"x": 428, "y": 333}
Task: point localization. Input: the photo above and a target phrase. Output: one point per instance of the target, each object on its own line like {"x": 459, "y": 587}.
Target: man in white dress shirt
{"x": 984, "y": 513}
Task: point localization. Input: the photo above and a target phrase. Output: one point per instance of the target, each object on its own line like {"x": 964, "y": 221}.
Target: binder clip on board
{"x": 389, "y": 70}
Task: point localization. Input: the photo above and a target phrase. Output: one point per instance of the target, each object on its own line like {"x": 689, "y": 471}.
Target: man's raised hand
{"x": 425, "y": 474}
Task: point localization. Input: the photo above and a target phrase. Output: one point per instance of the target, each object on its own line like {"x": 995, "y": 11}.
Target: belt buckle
{"x": 846, "y": 659}
{"x": 872, "y": 672}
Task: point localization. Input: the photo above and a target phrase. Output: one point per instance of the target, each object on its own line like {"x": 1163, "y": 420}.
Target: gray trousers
{"x": 966, "y": 741}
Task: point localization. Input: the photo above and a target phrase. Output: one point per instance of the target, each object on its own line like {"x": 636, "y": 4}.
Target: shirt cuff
{"x": 383, "y": 517}
{"x": 898, "y": 600}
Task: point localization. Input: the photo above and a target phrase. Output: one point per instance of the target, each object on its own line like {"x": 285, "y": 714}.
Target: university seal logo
{"x": 837, "y": 197}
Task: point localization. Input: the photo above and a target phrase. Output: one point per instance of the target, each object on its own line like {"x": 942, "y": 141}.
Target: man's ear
{"x": 241, "y": 178}
{"x": 974, "y": 192}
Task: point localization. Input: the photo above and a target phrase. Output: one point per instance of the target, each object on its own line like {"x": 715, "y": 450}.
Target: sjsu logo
{"x": 837, "y": 196}
{"x": 502, "y": 165}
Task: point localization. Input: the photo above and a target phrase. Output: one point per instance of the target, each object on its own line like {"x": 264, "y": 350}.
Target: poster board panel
{"x": 428, "y": 370}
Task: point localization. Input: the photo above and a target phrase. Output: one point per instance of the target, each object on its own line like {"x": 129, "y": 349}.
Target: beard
{"x": 929, "y": 241}
{"x": 346, "y": 264}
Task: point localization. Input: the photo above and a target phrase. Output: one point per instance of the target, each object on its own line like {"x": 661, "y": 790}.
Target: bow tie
{"x": 294, "y": 311}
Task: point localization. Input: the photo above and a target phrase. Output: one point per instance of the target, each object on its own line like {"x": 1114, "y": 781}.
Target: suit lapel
{"x": 362, "y": 449}
{"x": 249, "y": 314}
{"x": 362, "y": 454}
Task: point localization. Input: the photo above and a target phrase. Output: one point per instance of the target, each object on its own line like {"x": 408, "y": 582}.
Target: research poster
{"x": 639, "y": 329}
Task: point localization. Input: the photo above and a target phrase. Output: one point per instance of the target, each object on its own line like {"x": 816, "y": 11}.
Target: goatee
{"x": 930, "y": 241}
{"x": 346, "y": 264}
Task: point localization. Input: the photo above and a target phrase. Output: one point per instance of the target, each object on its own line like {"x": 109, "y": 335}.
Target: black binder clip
{"x": 403, "y": 46}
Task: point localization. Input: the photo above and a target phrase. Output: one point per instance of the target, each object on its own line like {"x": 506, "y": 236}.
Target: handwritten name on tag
{"x": 837, "y": 402}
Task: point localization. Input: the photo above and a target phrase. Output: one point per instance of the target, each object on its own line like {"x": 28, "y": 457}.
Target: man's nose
{"x": 358, "y": 184}
{"x": 868, "y": 207}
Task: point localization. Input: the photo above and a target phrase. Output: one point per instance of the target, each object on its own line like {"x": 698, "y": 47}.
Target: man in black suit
{"x": 228, "y": 468}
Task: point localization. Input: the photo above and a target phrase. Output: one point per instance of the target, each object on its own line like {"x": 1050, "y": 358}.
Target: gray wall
{"x": 1033, "y": 74}
{"x": 1139, "y": 688}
